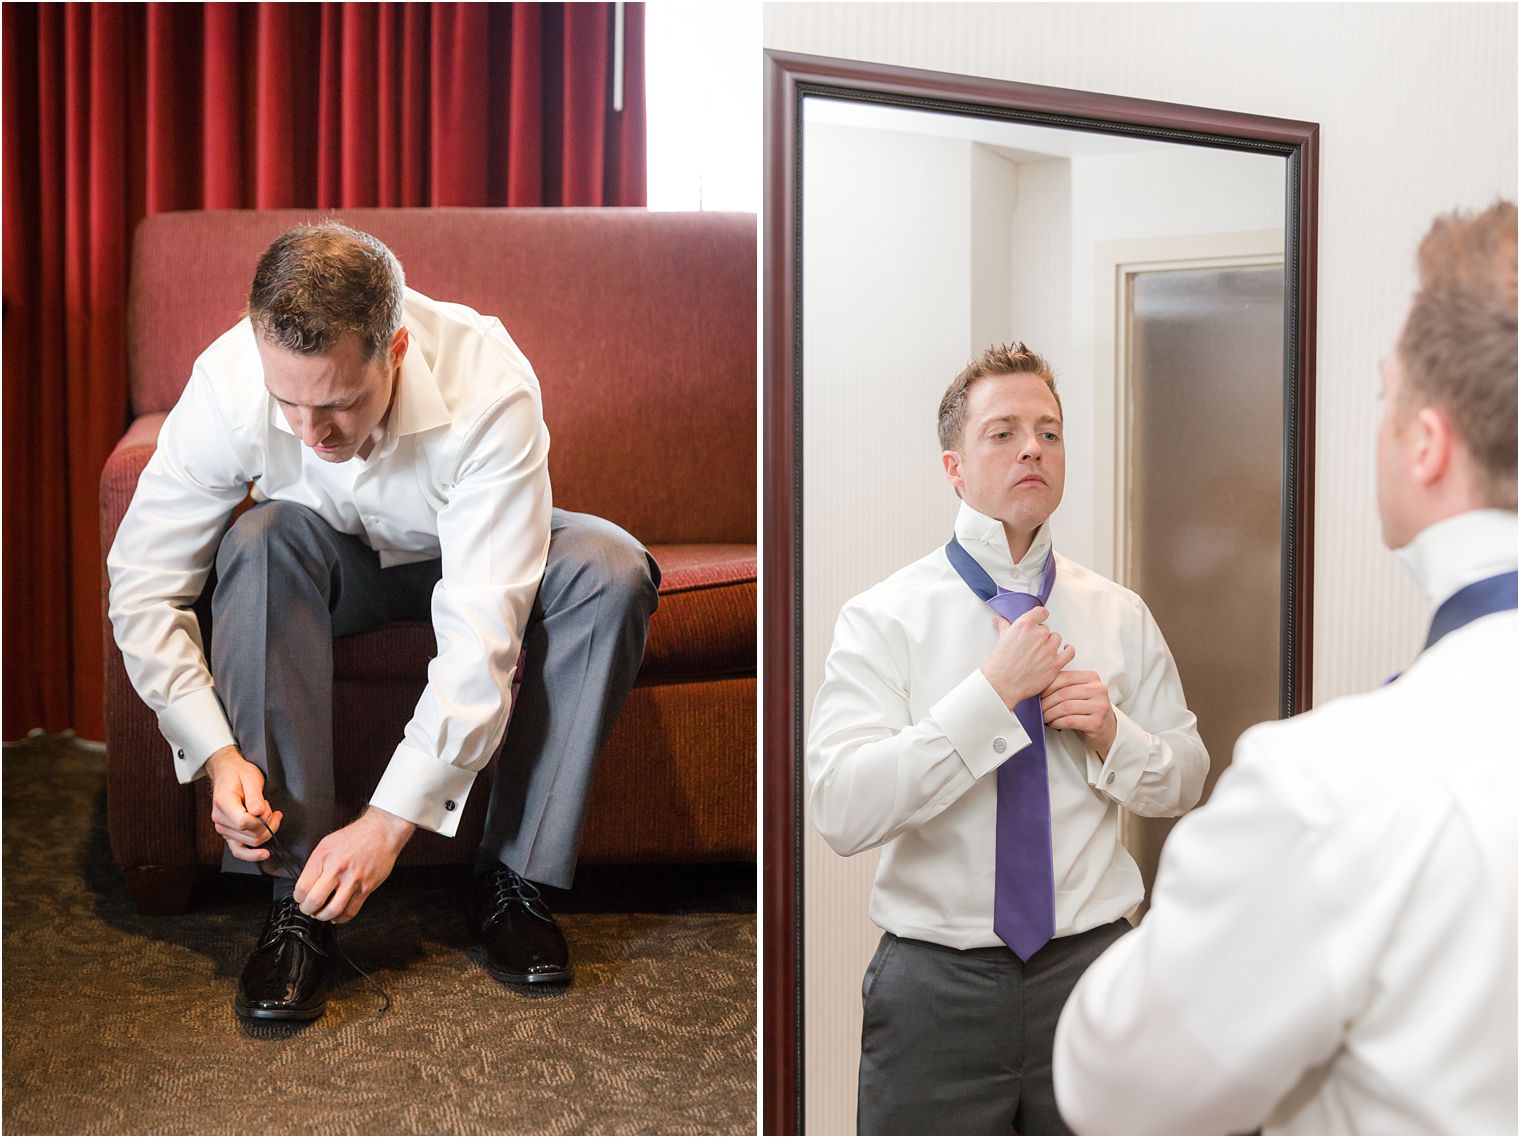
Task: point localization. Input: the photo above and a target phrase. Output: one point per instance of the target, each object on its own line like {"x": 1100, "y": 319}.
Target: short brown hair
{"x": 317, "y": 283}
{"x": 999, "y": 359}
{"x": 1458, "y": 344}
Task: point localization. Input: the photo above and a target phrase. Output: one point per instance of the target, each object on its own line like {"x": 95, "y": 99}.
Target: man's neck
{"x": 1018, "y": 541}
{"x": 1460, "y": 549}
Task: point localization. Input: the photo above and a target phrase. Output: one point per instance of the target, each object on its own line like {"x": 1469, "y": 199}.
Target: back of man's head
{"x": 317, "y": 283}
{"x": 1458, "y": 344}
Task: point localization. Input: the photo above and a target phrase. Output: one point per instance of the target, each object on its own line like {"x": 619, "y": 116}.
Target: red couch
{"x": 641, "y": 328}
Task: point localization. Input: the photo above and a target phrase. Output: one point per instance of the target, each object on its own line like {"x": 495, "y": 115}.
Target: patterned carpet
{"x": 120, "y": 1024}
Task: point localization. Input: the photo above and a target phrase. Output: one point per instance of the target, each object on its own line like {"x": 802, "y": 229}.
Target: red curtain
{"x": 114, "y": 111}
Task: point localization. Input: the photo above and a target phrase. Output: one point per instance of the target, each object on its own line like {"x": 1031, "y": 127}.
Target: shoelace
{"x": 288, "y": 918}
{"x": 509, "y": 886}
{"x": 299, "y": 924}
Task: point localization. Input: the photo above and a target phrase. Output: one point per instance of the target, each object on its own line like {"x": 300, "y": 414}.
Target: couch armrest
{"x": 150, "y": 816}
{"x": 118, "y": 478}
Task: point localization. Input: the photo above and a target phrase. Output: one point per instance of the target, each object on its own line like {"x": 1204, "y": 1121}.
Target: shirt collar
{"x": 987, "y": 542}
{"x": 1455, "y": 552}
{"x": 418, "y": 405}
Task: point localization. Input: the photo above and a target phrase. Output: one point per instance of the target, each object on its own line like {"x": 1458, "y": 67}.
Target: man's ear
{"x": 1433, "y": 442}
{"x": 398, "y": 346}
{"x": 952, "y": 462}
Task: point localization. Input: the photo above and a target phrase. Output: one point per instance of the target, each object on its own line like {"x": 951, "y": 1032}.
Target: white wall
{"x": 1039, "y": 313}
{"x": 1417, "y": 107}
{"x": 879, "y": 377}
{"x": 994, "y": 195}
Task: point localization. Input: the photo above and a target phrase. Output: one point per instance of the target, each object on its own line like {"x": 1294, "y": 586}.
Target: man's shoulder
{"x": 1478, "y": 657}
{"x": 1314, "y": 737}
{"x": 425, "y": 314}
{"x": 473, "y": 361}
{"x": 1404, "y": 735}
{"x": 1395, "y": 766}
{"x": 906, "y": 587}
{"x": 1094, "y": 587}
{"x": 231, "y": 368}
{"x": 905, "y": 597}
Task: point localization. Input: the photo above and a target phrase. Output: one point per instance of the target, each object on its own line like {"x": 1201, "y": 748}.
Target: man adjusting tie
{"x": 984, "y": 713}
{"x": 1330, "y": 947}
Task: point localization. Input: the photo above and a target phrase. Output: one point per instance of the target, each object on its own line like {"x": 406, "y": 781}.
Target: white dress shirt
{"x": 906, "y": 734}
{"x": 462, "y": 474}
{"x": 1330, "y": 947}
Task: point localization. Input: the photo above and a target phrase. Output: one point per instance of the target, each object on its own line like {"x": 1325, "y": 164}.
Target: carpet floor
{"x": 120, "y": 1024}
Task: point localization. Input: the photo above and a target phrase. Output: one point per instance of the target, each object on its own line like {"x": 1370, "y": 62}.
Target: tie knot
{"x": 1010, "y": 605}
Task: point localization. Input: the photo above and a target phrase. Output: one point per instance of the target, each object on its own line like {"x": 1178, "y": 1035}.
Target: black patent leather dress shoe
{"x": 286, "y": 976}
{"x": 523, "y": 944}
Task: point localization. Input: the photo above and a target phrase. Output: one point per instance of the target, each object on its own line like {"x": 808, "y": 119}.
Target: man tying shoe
{"x": 397, "y": 456}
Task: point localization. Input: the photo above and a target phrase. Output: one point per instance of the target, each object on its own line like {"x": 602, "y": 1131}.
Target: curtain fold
{"x": 114, "y": 111}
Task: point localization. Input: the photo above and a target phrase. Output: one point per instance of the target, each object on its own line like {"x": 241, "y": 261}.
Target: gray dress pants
{"x": 959, "y": 1041}
{"x": 288, "y": 583}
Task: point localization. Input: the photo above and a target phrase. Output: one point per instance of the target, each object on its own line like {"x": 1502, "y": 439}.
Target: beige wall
{"x": 1417, "y": 106}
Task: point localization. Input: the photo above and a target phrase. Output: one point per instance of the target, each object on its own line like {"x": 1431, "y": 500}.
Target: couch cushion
{"x": 705, "y": 625}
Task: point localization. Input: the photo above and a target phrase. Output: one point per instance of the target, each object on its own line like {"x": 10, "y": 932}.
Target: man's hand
{"x": 350, "y": 864}
{"x": 238, "y": 804}
{"x": 1078, "y": 701}
{"x": 1027, "y": 659}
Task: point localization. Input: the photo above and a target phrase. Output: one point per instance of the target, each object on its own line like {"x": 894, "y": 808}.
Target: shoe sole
{"x": 298, "y": 1015}
{"x": 534, "y": 978}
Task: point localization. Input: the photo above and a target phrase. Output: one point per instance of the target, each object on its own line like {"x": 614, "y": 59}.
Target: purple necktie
{"x": 1023, "y": 905}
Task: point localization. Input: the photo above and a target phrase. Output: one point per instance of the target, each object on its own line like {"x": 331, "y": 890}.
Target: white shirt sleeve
{"x": 494, "y": 535}
{"x": 874, "y": 771}
{"x": 159, "y": 564}
{"x": 1157, "y": 764}
{"x": 1209, "y": 1013}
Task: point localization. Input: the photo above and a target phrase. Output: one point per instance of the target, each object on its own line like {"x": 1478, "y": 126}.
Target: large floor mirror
{"x": 1162, "y": 258}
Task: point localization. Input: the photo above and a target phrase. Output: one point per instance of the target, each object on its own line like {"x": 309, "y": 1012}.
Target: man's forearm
{"x": 396, "y": 830}
{"x": 866, "y": 793}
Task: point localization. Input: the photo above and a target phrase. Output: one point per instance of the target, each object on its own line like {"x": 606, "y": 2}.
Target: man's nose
{"x": 1031, "y": 448}
{"x": 311, "y": 427}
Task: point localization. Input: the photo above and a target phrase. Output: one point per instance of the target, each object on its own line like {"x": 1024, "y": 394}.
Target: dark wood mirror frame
{"x": 788, "y": 79}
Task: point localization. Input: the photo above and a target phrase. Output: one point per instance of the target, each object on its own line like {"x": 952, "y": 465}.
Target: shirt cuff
{"x": 424, "y": 790}
{"x": 1128, "y": 757}
{"x": 197, "y": 728}
{"x": 979, "y": 725}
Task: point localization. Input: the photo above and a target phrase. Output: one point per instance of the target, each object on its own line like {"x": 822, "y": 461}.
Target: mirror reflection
{"x": 1150, "y": 275}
